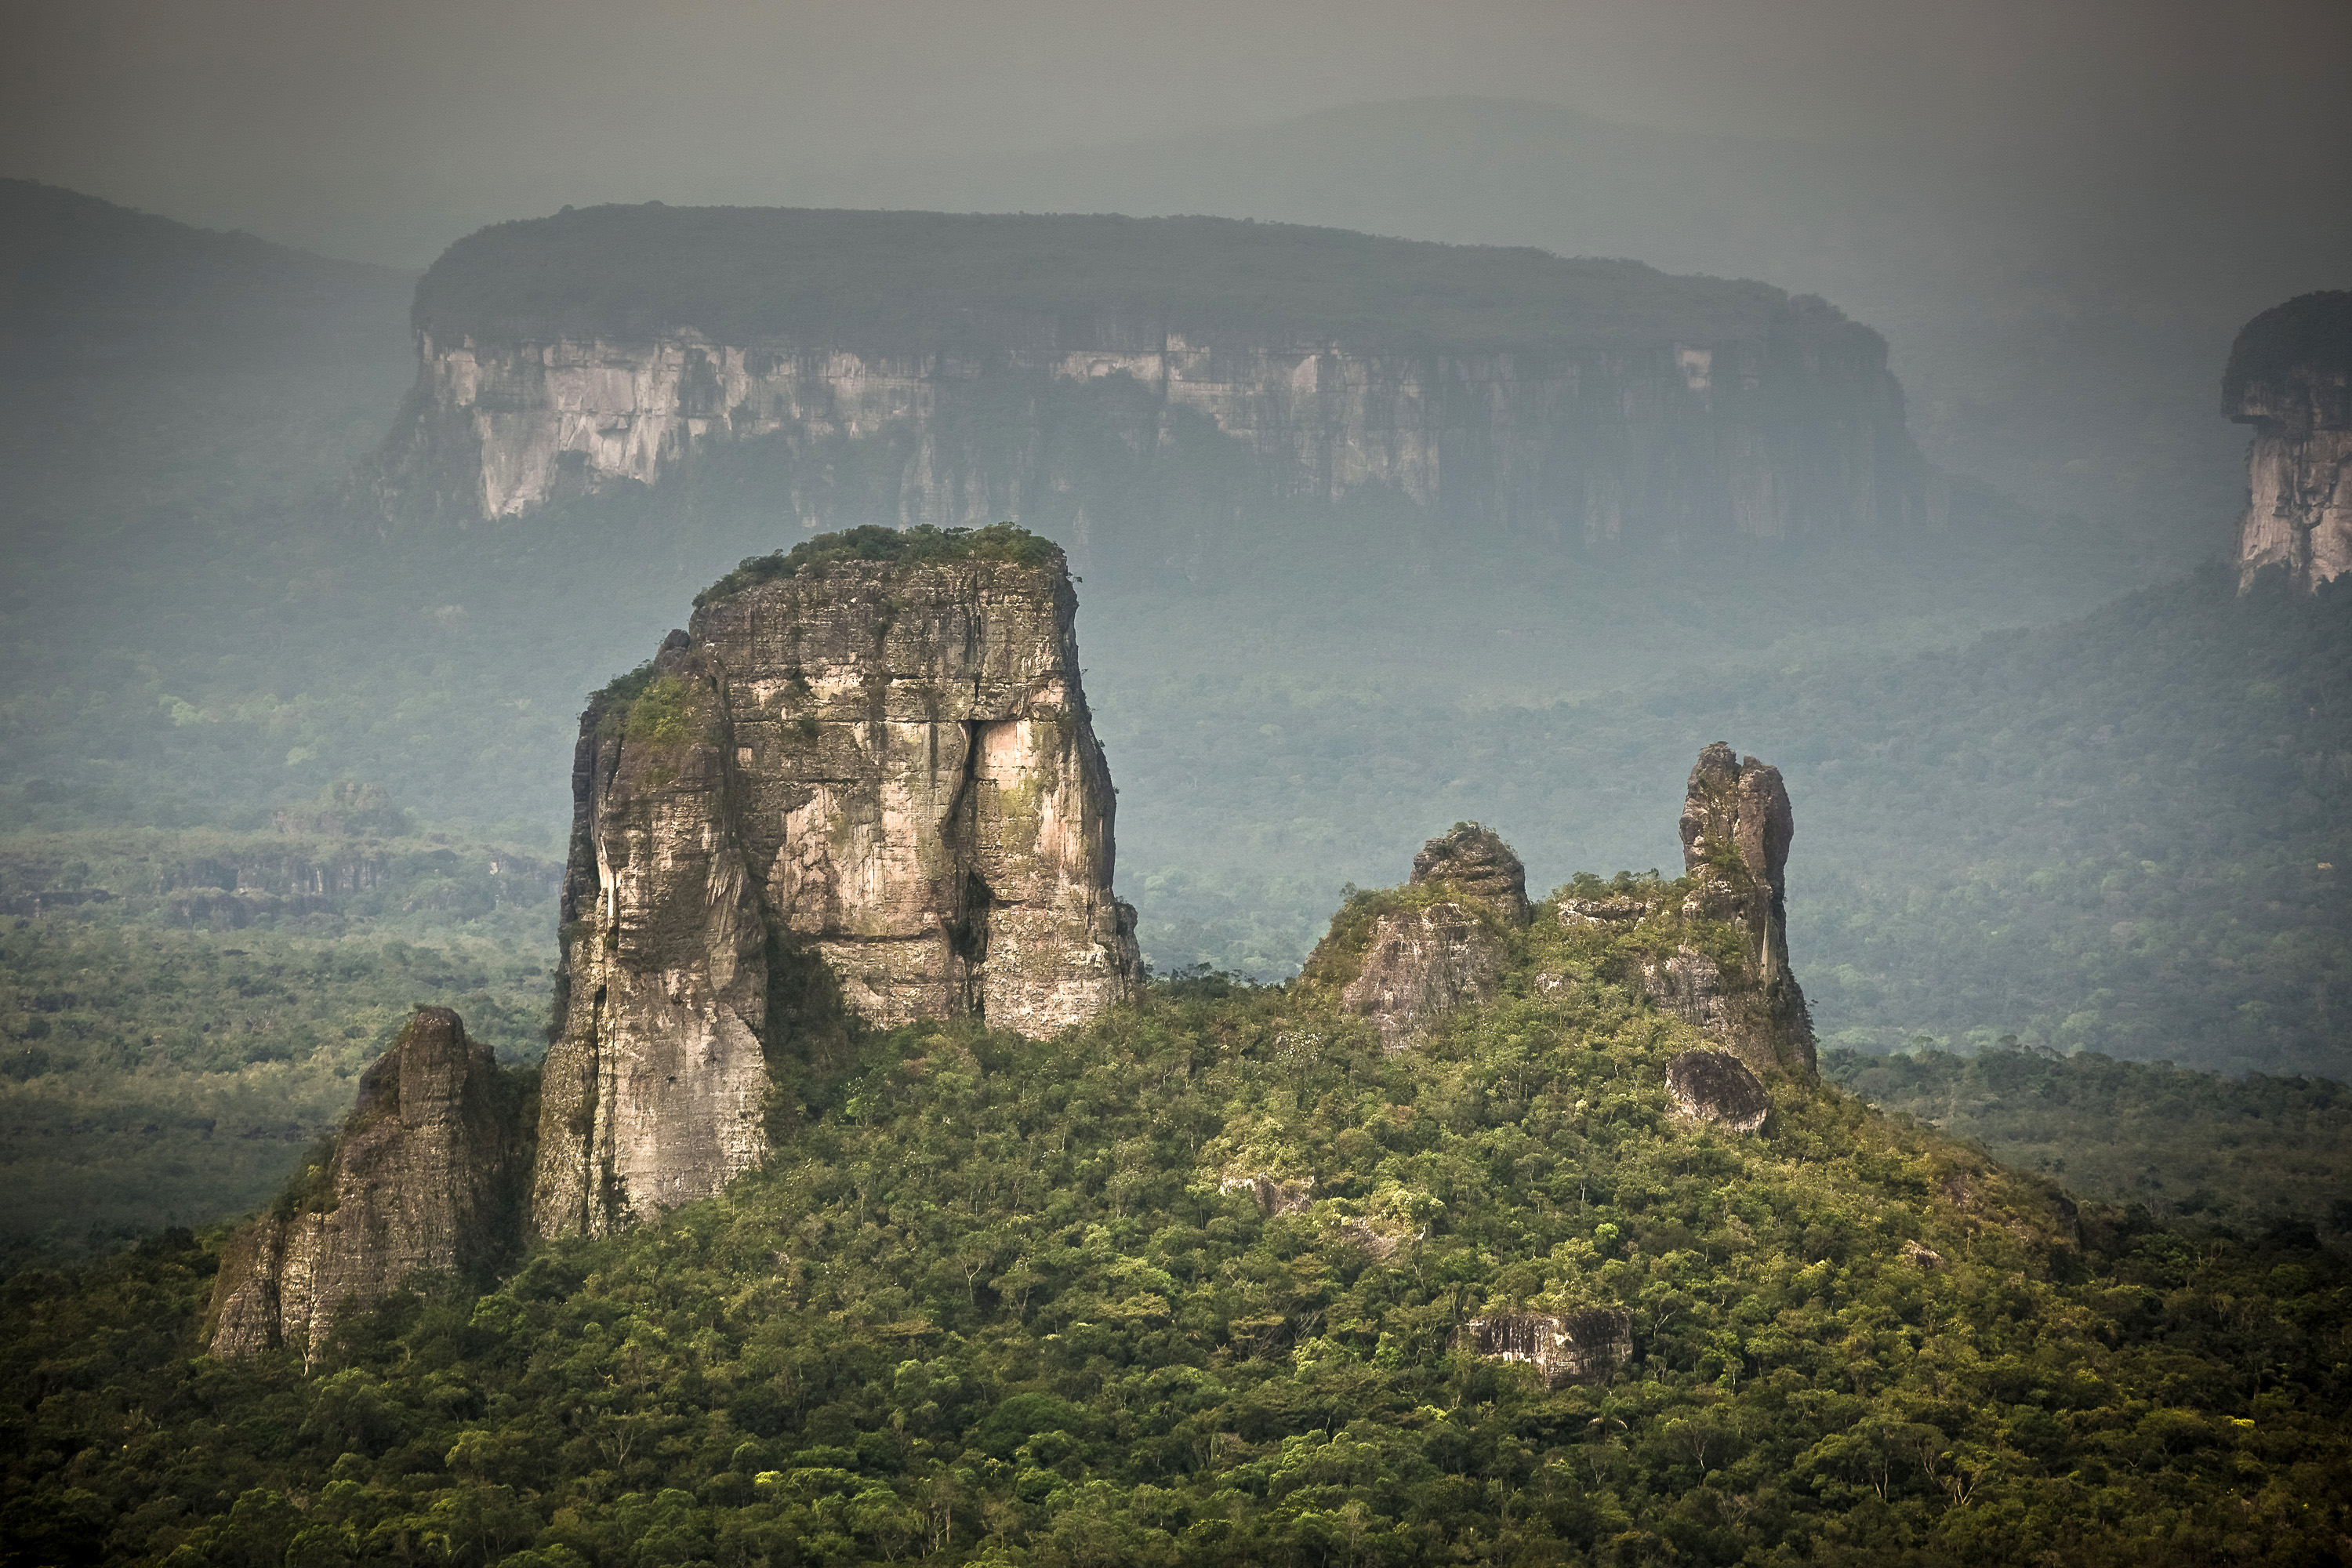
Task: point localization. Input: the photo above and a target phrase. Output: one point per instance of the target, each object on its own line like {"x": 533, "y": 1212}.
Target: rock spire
{"x": 865, "y": 769}
{"x": 423, "y": 1175}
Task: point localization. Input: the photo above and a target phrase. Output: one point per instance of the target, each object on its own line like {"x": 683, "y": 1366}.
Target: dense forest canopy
{"x": 1000, "y": 1300}
{"x": 942, "y": 281}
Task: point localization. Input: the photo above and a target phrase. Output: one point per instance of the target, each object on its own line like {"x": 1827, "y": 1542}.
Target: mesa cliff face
{"x": 2290, "y": 377}
{"x": 878, "y": 772}
{"x": 423, "y": 1175}
{"x": 1580, "y": 400}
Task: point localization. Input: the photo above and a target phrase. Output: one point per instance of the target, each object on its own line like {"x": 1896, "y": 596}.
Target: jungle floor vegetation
{"x": 994, "y": 1302}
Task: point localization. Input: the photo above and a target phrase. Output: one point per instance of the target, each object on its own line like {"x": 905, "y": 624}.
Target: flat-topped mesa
{"x": 953, "y": 368}
{"x": 873, "y": 752}
{"x": 423, "y": 1175}
{"x": 1736, "y": 829}
{"x": 2290, "y": 377}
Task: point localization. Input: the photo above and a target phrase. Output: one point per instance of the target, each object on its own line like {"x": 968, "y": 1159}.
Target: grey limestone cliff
{"x": 2290, "y": 377}
{"x": 425, "y": 1175}
{"x": 874, "y": 777}
{"x": 1735, "y": 829}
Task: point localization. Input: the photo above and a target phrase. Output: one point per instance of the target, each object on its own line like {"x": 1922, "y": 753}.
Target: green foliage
{"x": 2310, "y": 330}
{"x": 993, "y": 1304}
{"x": 2187, "y": 1146}
{"x": 154, "y": 1073}
{"x": 907, "y": 280}
{"x": 1004, "y": 541}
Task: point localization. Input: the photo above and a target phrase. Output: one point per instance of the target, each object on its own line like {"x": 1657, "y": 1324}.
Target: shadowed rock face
{"x": 879, "y": 773}
{"x": 1736, "y": 829}
{"x": 1715, "y": 1086}
{"x": 1567, "y": 1348}
{"x": 1474, "y": 859}
{"x": 423, "y": 1176}
{"x": 2290, "y": 377}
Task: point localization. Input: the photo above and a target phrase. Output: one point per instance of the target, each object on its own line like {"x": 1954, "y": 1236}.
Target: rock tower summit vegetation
{"x": 863, "y": 778}
{"x": 2290, "y": 377}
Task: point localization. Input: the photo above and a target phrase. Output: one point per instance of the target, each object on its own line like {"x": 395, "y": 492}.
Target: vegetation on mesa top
{"x": 922, "y": 544}
{"x": 2313, "y": 330}
{"x": 944, "y": 280}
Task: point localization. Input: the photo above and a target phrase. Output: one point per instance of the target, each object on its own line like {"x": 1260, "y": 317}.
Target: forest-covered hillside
{"x": 994, "y": 1300}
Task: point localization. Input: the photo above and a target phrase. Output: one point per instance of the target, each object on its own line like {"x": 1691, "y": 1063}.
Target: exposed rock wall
{"x": 884, "y": 764}
{"x": 1423, "y": 964}
{"x": 1735, "y": 829}
{"x": 1711, "y": 410}
{"x": 1567, "y": 1348}
{"x": 2290, "y": 377}
{"x": 1474, "y": 859}
{"x": 423, "y": 1175}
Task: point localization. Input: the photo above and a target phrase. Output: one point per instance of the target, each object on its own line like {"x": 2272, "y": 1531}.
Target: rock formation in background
{"x": 425, "y": 1174}
{"x": 1569, "y": 1347}
{"x": 865, "y": 765}
{"x": 2290, "y": 377}
{"x": 953, "y": 369}
{"x": 1736, "y": 829}
{"x": 1715, "y": 1086}
{"x": 1474, "y": 859}
{"x": 1427, "y": 959}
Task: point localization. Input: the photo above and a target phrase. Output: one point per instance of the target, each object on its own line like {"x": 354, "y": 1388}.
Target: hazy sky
{"x": 385, "y": 130}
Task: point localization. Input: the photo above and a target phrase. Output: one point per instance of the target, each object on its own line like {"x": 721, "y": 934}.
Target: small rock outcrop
{"x": 865, "y": 769}
{"x": 2290, "y": 377}
{"x": 1474, "y": 859}
{"x": 1715, "y": 1086}
{"x": 423, "y": 1175}
{"x": 1736, "y": 829}
{"x": 1273, "y": 1197}
{"x": 1567, "y": 1348}
{"x": 1423, "y": 964}
{"x": 1425, "y": 956}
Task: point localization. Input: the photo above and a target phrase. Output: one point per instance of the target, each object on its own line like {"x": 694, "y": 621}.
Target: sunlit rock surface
{"x": 2290, "y": 377}
{"x": 1565, "y": 1348}
{"x": 883, "y": 768}
{"x": 423, "y": 1175}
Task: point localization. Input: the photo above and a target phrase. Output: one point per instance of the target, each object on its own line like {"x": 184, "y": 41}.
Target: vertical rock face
{"x": 423, "y": 1176}
{"x": 885, "y": 766}
{"x": 2290, "y": 377}
{"x": 1736, "y": 829}
{"x": 1564, "y": 1348}
{"x": 1424, "y": 957}
{"x": 1423, "y": 964}
{"x": 1474, "y": 859}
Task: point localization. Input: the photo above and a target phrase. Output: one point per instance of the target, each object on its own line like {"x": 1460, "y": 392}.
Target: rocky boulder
{"x": 1565, "y": 1348}
{"x": 425, "y": 1175}
{"x": 1473, "y": 860}
{"x": 1715, "y": 1086}
{"x": 864, "y": 776}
